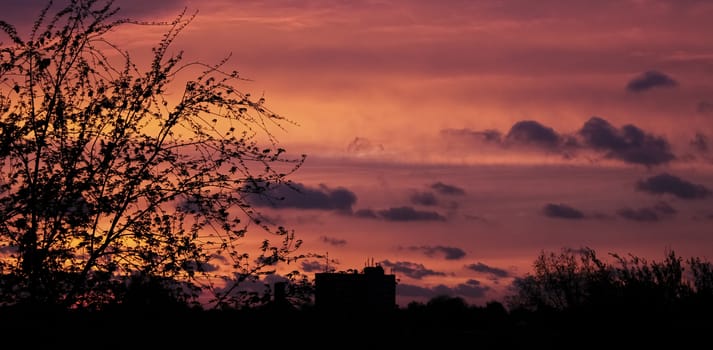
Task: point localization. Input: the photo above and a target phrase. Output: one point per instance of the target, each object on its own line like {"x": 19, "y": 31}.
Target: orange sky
{"x": 453, "y": 141}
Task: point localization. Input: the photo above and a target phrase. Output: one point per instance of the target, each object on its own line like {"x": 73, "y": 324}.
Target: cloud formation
{"x": 562, "y": 211}
{"x": 649, "y": 80}
{"x": 424, "y": 198}
{"x": 333, "y": 241}
{"x": 300, "y": 196}
{"x": 530, "y": 132}
{"x": 647, "y": 214}
{"x": 400, "y": 214}
{"x": 469, "y": 289}
{"x": 312, "y": 266}
{"x": 700, "y": 143}
{"x": 449, "y": 253}
{"x": 410, "y": 269}
{"x": 629, "y": 144}
{"x": 483, "y": 268}
{"x": 445, "y": 189}
{"x": 666, "y": 183}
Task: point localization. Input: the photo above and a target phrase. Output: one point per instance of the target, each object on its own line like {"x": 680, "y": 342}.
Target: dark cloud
{"x": 312, "y": 266}
{"x": 629, "y": 144}
{"x": 562, "y": 211}
{"x": 654, "y": 213}
{"x": 363, "y": 145}
{"x": 649, "y": 80}
{"x": 333, "y": 241}
{"x": 449, "y": 253}
{"x": 530, "y": 132}
{"x": 410, "y": 269}
{"x": 486, "y": 136}
{"x": 399, "y": 214}
{"x": 302, "y": 197}
{"x": 700, "y": 143}
{"x": 641, "y": 214}
{"x": 424, "y": 198}
{"x": 480, "y": 267}
{"x": 704, "y": 107}
{"x": 666, "y": 183}
{"x": 469, "y": 289}
{"x": 445, "y": 189}
{"x": 409, "y": 214}
{"x": 22, "y": 13}
{"x": 207, "y": 267}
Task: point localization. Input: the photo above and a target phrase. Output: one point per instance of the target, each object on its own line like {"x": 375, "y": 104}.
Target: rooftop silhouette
{"x": 369, "y": 290}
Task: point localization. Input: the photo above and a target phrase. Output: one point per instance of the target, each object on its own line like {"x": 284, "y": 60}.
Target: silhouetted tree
{"x": 559, "y": 281}
{"x": 108, "y": 177}
{"x": 578, "y": 281}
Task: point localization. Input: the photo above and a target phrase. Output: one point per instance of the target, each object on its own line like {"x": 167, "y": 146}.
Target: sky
{"x": 452, "y": 142}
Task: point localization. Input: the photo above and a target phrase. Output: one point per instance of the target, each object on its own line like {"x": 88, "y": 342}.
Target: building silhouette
{"x": 369, "y": 290}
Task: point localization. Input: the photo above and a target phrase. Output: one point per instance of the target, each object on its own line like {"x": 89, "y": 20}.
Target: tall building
{"x": 370, "y": 290}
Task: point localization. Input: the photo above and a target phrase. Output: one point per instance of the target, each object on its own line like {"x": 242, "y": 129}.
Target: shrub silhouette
{"x": 577, "y": 281}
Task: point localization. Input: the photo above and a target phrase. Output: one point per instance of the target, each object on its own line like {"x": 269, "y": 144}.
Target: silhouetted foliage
{"x": 577, "y": 281}
{"x": 111, "y": 187}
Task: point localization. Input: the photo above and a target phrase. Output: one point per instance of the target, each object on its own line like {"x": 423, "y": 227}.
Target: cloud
{"x": 650, "y": 214}
{"x": 471, "y": 288}
{"x": 312, "y": 266}
{"x": 300, "y": 196}
{"x": 410, "y": 269}
{"x": 641, "y": 214}
{"x": 704, "y": 107}
{"x": 700, "y": 143}
{"x": 333, "y": 241}
{"x": 409, "y": 214}
{"x": 449, "y": 253}
{"x": 480, "y": 267}
{"x": 424, "y": 198}
{"x": 399, "y": 214}
{"x": 562, "y": 211}
{"x": 485, "y": 136}
{"x": 649, "y": 80}
{"x": 26, "y": 11}
{"x": 361, "y": 145}
{"x": 666, "y": 183}
{"x": 530, "y": 132}
{"x": 629, "y": 144}
{"x": 445, "y": 189}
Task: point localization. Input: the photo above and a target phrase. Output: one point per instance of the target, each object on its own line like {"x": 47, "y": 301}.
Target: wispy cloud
{"x": 410, "y": 269}
{"x": 404, "y": 213}
{"x": 562, "y": 211}
{"x": 449, "y": 253}
{"x": 483, "y": 268}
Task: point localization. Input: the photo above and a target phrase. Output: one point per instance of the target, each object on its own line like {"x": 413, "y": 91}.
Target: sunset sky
{"x": 453, "y": 141}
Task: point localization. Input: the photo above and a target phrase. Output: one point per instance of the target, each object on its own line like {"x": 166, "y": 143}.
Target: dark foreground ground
{"x": 200, "y": 329}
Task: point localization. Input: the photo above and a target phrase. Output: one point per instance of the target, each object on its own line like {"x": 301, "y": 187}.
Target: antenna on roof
{"x": 326, "y": 266}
